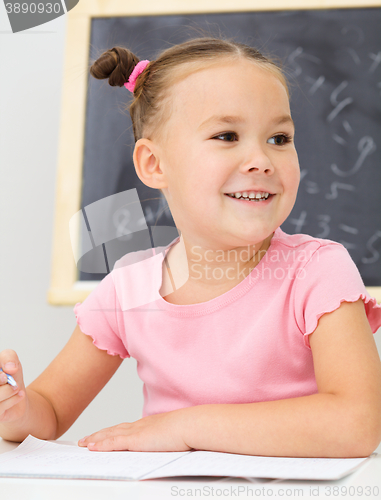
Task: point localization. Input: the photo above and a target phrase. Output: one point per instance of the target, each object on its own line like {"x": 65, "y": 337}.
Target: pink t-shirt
{"x": 250, "y": 344}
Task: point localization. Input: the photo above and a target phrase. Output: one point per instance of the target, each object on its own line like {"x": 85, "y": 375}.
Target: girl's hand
{"x": 12, "y": 399}
{"x": 160, "y": 432}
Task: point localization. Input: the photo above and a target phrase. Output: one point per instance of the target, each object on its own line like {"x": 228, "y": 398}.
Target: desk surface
{"x": 364, "y": 482}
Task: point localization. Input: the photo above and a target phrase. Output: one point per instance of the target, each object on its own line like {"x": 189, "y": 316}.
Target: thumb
{"x": 10, "y": 364}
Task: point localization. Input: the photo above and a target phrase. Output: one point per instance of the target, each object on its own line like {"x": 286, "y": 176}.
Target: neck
{"x": 211, "y": 268}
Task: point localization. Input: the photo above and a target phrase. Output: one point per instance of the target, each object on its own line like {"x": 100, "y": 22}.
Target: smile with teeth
{"x": 253, "y": 196}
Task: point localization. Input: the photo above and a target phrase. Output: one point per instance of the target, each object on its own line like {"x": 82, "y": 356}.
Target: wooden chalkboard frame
{"x": 64, "y": 288}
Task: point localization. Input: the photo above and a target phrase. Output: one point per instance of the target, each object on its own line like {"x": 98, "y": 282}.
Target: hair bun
{"x": 116, "y": 64}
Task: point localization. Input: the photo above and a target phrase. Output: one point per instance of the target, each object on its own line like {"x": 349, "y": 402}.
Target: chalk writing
{"x": 299, "y": 223}
{"x": 366, "y": 146}
{"x": 347, "y": 127}
{"x": 324, "y": 221}
{"x": 339, "y": 105}
{"x": 369, "y": 245}
{"x": 348, "y": 229}
{"x": 334, "y": 189}
{"x": 376, "y": 61}
{"x": 339, "y": 139}
{"x": 312, "y": 187}
{"x": 316, "y": 83}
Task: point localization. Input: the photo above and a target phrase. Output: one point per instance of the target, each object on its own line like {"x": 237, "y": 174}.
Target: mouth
{"x": 262, "y": 198}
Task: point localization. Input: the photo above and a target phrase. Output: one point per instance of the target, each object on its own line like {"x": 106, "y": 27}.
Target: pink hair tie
{"x": 139, "y": 68}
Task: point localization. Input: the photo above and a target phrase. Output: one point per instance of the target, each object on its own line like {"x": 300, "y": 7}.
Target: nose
{"x": 257, "y": 161}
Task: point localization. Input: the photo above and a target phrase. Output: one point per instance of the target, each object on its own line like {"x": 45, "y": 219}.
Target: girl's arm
{"x": 64, "y": 389}
{"x": 342, "y": 420}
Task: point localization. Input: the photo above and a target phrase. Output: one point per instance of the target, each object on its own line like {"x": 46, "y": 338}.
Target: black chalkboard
{"x": 333, "y": 59}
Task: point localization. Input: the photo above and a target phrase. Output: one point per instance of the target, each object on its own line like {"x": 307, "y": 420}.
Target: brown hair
{"x": 151, "y": 106}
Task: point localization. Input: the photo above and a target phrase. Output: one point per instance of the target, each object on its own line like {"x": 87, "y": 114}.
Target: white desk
{"x": 368, "y": 476}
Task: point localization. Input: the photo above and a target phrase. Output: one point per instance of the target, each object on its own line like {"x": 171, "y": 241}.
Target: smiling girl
{"x": 266, "y": 347}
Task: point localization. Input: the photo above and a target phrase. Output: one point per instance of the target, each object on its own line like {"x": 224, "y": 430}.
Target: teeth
{"x": 250, "y": 196}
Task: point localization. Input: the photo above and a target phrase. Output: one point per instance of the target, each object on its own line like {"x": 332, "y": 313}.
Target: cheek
{"x": 201, "y": 175}
{"x": 293, "y": 174}
{"x": 296, "y": 178}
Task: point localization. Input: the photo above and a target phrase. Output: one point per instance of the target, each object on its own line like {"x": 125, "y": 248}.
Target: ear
{"x": 146, "y": 159}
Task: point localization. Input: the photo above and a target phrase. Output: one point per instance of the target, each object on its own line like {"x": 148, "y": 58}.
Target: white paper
{"x": 38, "y": 458}
{"x": 200, "y": 463}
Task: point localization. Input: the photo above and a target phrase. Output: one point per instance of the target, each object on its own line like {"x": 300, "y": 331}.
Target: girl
{"x": 266, "y": 346}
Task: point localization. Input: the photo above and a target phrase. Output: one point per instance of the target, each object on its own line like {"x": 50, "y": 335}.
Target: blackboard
{"x": 333, "y": 60}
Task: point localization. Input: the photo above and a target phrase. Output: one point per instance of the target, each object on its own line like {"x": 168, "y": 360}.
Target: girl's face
{"x": 230, "y": 131}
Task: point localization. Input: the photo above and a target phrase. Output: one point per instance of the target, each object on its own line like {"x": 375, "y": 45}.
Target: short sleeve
{"x": 97, "y": 317}
{"x": 329, "y": 278}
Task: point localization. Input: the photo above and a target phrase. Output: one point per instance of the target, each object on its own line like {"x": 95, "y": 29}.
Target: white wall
{"x": 31, "y": 66}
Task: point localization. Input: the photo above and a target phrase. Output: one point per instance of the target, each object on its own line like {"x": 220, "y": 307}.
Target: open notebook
{"x": 37, "y": 458}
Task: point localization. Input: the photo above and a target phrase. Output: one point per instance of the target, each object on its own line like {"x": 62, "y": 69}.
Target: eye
{"x": 230, "y": 135}
{"x": 280, "y": 139}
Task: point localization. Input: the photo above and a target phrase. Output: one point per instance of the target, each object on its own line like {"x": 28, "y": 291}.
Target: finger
{"x": 115, "y": 443}
{"x": 7, "y": 391}
{"x": 3, "y": 378}
{"x": 9, "y": 361}
{"x": 10, "y": 402}
{"x": 103, "y": 434}
{"x": 10, "y": 364}
{"x": 81, "y": 442}
{"x": 97, "y": 436}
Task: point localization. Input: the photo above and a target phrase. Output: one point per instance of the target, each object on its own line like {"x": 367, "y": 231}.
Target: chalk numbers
{"x": 356, "y": 147}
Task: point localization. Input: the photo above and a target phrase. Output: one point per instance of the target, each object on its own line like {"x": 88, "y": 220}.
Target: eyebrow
{"x": 233, "y": 120}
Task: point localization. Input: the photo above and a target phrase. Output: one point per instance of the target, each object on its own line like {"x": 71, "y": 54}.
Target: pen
{"x": 11, "y": 381}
